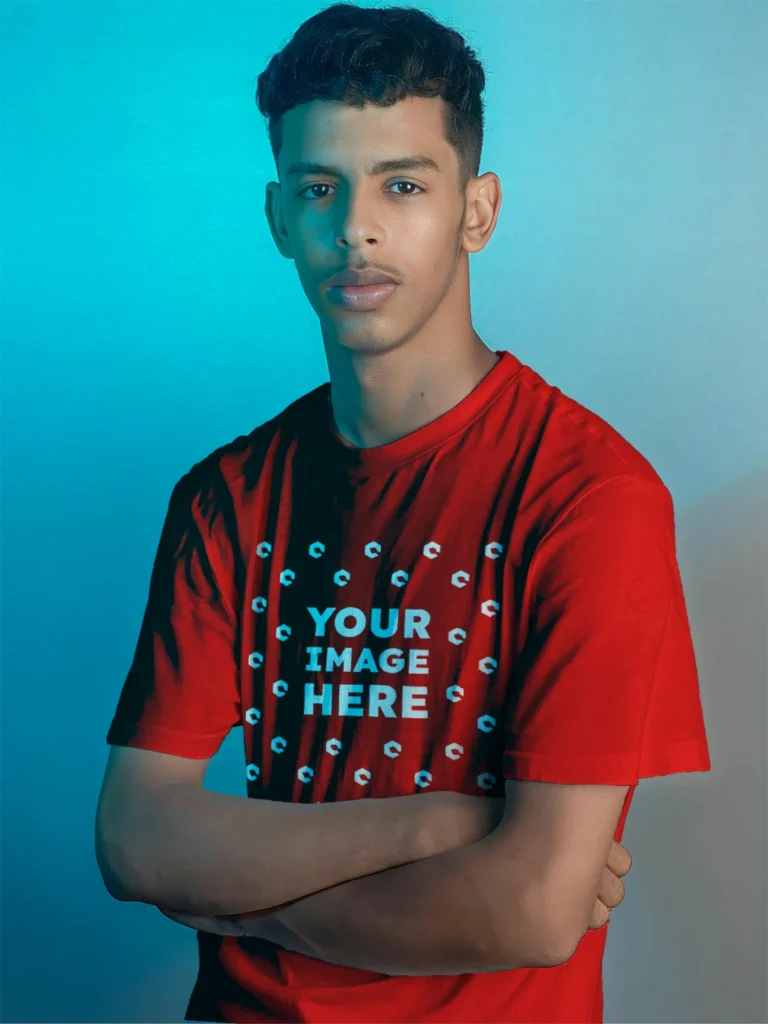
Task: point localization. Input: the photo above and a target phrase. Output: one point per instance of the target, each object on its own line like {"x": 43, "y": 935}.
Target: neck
{"x": 389, "y": 396}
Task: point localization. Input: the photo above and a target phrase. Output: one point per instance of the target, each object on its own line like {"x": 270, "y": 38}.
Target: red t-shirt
{"x": 494, "y": 596}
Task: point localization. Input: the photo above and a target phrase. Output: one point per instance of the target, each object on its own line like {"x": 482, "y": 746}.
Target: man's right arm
{"x": 162, "y": 839}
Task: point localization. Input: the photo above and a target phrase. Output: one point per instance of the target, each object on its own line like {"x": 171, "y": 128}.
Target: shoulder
{"x": 242, "y": 459}
{"x": 574, "y": 454}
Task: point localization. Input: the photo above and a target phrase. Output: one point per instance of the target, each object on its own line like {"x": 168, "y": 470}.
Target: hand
{"x": 611, "y": 891}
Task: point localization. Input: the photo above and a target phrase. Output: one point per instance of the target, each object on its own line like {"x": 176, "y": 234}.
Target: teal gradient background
{"x": 147, "y": 318}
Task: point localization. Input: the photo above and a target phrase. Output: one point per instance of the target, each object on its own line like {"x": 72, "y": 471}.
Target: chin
{"x": 368, "y": 343}
{"x": 357, "y": 338}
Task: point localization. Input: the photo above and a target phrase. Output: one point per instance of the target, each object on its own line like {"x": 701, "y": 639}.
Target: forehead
{"x": 335, "y": 133}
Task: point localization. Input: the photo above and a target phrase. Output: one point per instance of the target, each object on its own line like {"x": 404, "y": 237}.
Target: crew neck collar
{"x": 428, "y": 436}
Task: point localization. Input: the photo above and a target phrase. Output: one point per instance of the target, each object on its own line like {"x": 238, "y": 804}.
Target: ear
{"x": 274, "y": 213}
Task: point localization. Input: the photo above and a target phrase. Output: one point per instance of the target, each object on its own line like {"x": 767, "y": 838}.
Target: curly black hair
{"x": 360, "y": 55}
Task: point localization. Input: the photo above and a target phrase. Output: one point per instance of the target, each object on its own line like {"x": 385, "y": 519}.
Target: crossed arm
{"x": 521, "y": 897}
{"x": 453, "y": 913}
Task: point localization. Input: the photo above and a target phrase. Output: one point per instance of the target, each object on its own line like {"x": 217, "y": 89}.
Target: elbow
{"x": 556, "y": 947}
{"x": 534, "y": 933}
{"x": 558, "y": 934}
{"x": 118, "y": 867}
{"x": 542, "y": 948}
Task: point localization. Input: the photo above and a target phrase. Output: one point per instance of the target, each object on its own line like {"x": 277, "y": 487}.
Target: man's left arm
{"x": 452, "y": 913}
{"x": 521, "y": 897}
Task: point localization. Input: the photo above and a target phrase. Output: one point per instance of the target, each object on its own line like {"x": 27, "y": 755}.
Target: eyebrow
{"x": 414, "y": 162}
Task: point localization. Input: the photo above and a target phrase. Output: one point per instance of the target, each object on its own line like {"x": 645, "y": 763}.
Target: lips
{"x": 360, "y": 278}
{"x": 362, "y": 297}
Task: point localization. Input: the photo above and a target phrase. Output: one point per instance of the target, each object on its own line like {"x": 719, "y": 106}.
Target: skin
{"x": 610, "y": 894}
{"x": 396, "y": 368}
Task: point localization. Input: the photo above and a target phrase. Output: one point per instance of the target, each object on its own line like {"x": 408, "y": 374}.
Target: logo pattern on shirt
{"x": 350, "y": 622}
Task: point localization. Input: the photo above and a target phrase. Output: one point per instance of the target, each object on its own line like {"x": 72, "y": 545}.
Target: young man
{"x": 440, "y": 597}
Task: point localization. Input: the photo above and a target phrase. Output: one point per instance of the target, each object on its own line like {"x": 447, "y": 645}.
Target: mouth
{"x": 363, "y": 296}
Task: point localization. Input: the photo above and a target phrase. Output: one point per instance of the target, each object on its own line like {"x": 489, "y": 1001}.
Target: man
{"x": 440, "y": 597}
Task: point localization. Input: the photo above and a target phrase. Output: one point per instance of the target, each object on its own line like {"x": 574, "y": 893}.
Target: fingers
{"x": 601, "y": 915}
{"x": 611, "y": 891}
{"x": 619, "y": 859}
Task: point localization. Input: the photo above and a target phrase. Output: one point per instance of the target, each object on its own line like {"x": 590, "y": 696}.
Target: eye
{"x": 322, "y": 184}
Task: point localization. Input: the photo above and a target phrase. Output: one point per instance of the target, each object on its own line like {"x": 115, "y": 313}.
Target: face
{"x": 334, "y": 210}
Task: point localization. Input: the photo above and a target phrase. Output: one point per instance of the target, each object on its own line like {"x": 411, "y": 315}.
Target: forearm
{"x": 442, "y": 915}
{"x": 208, "y": 854}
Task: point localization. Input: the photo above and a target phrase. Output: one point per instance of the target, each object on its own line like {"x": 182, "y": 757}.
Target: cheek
{"x": 443, "y": 259}
{"x": 425, "y": 243}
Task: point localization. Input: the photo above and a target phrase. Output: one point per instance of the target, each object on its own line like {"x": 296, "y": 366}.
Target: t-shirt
{"x": 493, "y": 596}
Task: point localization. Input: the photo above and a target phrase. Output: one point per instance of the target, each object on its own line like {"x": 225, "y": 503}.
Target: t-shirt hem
{"x": 690, "y": 755}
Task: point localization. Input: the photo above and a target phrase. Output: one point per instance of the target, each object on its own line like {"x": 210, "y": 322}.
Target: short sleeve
{"x": 181, "y": 694}
{"x": 605, "y": 688}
